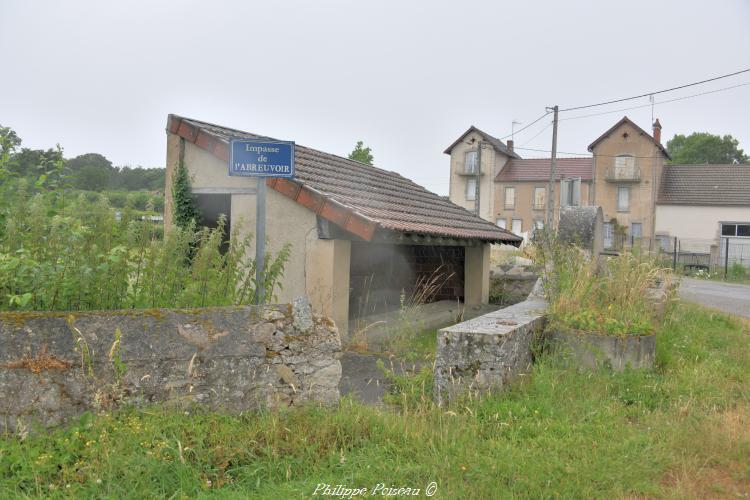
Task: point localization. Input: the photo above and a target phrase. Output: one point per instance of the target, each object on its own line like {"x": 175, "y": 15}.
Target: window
{"x": 636, "y": 229}
{"x": 501, "y": 223}
{"x": 741, "y": 230}
{"x": 471, "y": 189}
{"x": 570, "y": 192}
{"x": 609, "y": 235}
{"x": 664, "y": 242}
{"x": 470, "y": 162}
{"x": 539, "y": 197}
{"x": 623, "y": 199}
{"x": 625, "y": 167}
{"x": 510, "y": 197}
{"x": 516, "y": 226}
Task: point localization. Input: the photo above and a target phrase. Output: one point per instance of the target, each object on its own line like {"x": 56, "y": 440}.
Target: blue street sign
{"x": 257, "y": 158}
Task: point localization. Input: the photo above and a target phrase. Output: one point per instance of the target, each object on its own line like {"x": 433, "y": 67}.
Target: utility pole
{"x": 479, "y": 176}
{"x": 552, "y": 176}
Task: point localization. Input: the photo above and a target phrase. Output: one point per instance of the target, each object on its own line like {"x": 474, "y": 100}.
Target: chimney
{"x": 657, "y": 131}
{"x": 509, "y": 143}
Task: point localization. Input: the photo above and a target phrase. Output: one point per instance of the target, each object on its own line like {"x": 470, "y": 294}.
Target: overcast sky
{"x": 406, "y": 77}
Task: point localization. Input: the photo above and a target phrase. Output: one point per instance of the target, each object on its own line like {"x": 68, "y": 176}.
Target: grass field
{"x": 680, "y": 431}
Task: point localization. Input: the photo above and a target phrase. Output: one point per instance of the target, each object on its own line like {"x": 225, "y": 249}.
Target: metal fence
{"x": 690, "y": 254}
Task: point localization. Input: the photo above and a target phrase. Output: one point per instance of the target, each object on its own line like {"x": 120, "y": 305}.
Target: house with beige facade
{"x": 643, "y": 199}
{"x": 361, "y": 237}
{"x": 622, "y": 177}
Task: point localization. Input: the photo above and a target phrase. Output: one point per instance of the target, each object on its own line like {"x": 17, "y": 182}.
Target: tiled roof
{"x": 496, "y": 143}
{"x": 360, "y": 198}
{"x": 705, "y": 185}
{"x": 623, "y": 120}
{"x": 537, "y": 169}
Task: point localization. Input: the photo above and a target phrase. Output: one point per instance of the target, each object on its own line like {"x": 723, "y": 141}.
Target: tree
{"x": 184, "y": 211}
{"x": 702, "y": 147}
{"x": 9, "y": 141}
{"x": 361, "y": 153}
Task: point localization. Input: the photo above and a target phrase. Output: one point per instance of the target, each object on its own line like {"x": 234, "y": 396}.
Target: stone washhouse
{"x": 360, "y": 236}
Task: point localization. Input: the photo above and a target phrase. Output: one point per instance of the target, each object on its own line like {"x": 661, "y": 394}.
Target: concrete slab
{"x": 375, "y": 328}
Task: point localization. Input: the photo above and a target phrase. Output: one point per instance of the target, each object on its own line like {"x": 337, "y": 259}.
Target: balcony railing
{"x": 623, "y": 174}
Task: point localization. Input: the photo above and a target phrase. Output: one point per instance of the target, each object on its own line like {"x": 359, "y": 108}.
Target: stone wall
{"x": 55, "y": 366}
{"x": 511, "y": 283}
{"x": 489, "y": 352}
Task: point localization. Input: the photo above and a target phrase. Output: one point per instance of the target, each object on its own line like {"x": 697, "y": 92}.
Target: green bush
{"x": 75, "y": 256}
{"x": 737, "y": 272}
{"x": 157, "y": 202}
{"x": 117, "y": 199}
{"x": 138, "y": 200}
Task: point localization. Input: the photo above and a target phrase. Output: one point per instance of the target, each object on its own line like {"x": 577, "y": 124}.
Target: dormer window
{"x": 470, "y": 162}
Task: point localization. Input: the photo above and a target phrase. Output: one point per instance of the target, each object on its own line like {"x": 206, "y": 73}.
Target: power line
{"x": 582, "y": 155}
{"x": 657, "y": 102}
{"x": 524, "y": 128}
{"x": 538, "y": 134}
{"x": 657, "y": 91}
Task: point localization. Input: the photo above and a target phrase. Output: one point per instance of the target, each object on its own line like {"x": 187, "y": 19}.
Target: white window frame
{"x": 640, "y": 225}
{"x": 609, "y": 235}
{"x": 513, "y": 224}
{"x": 534, "y": 205}
{"x": 470, "y": 162}
{"x": 736, "y": 229}
{"x": 471, "y": 189}
{"x": 570, "y": 192}
{"x": 625, "y": 189}
{"x": 501, "y": 223}
{"x": 505, "y": 197}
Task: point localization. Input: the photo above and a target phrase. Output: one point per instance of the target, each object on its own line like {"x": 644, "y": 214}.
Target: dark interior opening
{"x": 211, "y": 207}
{"x": 384, "y": 275}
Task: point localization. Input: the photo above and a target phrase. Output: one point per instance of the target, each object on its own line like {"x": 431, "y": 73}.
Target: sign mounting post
{"x": 261, "y": 158}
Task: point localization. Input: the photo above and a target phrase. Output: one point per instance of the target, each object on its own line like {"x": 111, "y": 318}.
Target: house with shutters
{"x": 622, "y": 176}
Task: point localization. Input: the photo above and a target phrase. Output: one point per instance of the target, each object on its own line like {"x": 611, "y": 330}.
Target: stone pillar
{"x": 327, "y": 279}
{"x": 582, "y": 226}
{"x": 477, "y": 274}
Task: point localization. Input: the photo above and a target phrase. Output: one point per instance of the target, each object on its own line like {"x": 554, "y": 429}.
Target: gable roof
{"x": 537, "y": 169}
{"x": 725, "y": 185}
{"x": 360, "y": 198}
{"x": 627, "y": 120}
{"x": 496, "y": 143}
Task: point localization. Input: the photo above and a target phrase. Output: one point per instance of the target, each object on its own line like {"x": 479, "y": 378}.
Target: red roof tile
{"x": 537, "y": 169}
{"x": 360, "y": 198}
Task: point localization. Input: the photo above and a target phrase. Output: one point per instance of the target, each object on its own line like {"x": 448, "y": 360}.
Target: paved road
{"x": 734, "y": 299}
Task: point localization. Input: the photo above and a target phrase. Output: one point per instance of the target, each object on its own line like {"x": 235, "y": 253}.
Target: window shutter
{"x": 564, "y": 188}
{"x": 577, "y": 192}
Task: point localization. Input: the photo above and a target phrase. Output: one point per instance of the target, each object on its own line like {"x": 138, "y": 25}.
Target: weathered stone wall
{"x": 488, "y": 352}
{"x": 53, "y": 367}
{"x": 511, "y": 283}
{"x": 582, "y": 226}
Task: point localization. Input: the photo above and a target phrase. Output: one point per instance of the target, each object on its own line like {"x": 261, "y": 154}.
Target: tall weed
{"x": 72, "y": 254}
{"x": 613, "y": 296}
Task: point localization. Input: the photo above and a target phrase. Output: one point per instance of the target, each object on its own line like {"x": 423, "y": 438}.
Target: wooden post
{"x": 552, "y": 176}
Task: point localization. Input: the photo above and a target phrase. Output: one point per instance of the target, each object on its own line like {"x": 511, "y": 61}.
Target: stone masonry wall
{"x": 54, "y": 367}
{"x": 489, "y": 352}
